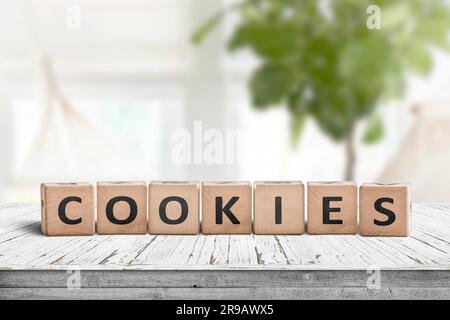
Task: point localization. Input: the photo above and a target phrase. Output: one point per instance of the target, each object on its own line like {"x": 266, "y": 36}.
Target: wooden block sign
{"x": 385, "y": 210}
{"x": 121, "y": 208}
{"x": 67, "y": 209}
{"x": 332, "y": 208}
{"x": 226, "y": 208}
{"x": 173, "y": 207}
{"x": 279, "y": 207}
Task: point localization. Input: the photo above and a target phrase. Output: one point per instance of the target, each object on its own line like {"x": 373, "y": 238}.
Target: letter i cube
{"x": 279, "y": 207}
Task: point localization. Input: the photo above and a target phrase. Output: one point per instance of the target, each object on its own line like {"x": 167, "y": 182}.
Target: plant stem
{"x": 350, "y": 155}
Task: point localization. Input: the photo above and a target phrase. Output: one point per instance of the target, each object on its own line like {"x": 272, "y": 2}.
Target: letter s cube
{"x": 385, "y": 210}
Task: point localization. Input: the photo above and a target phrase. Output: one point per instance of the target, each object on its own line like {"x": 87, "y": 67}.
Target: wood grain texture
{"x": 81, "y": 208}
{"x": 136, "y": 192}
{"x": 291, "y": 211}
{"x": 276, "y": 293}
{"x": 400, "y": 209}
{"x": 224, "y": 266}
{"x": 343, "y": 219}
{"x": 241, "y": 209}
{"x": 223, "y": 278}
{"x": 23, "y": 247}
{"x": 188, "y": 191}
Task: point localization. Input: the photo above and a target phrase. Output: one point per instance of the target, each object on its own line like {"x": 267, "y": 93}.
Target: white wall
{"x": 136, "y": 55}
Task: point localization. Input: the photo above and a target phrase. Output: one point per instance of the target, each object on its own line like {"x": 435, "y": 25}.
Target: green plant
{"x": 332, "y": 67}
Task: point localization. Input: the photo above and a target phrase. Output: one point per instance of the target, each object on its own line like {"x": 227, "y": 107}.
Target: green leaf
{"x": 374, "y": 130}
{"x": 201, "y": 32}
{"x": 270, "y": 84}
{"x": 347, "y": 68}
{"x": 199, "y": 35}
{"x": 419, "y": 59}
{"x": 267, "y": 39}
{"x": 297, "y": 125}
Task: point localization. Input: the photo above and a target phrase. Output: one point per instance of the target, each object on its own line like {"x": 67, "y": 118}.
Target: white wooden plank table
{"x": 223, "y": 267}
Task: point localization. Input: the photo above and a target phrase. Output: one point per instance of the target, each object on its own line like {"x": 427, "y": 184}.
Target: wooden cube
{"x": 279, "y": 207}
{"x": 226, "y": 207}
{"x": 385, "y": 210}
{"x": 67, "y": 209}
{"x": 332, "y": 208}
{"x": 174, "y": 207}
{"x": 121, "y": 208}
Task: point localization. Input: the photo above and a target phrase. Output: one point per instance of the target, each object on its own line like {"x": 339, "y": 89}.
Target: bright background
{"x": 131, "y": 77}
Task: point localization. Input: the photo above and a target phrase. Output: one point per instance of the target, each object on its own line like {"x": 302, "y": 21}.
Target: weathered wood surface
{"x": 238, "y": 266}
{"x": 231, "y": 293}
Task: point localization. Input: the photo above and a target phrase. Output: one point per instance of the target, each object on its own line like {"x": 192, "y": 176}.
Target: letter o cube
{"x": 121, "y": 207}
{"x": 173, "y": 207}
